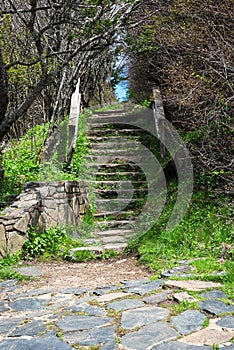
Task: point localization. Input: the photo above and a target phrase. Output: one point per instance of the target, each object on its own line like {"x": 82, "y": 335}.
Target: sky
{"x": 121, "y": 90}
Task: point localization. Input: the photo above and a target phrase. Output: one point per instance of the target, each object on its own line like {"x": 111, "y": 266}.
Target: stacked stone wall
{"x": 42, "y": 205}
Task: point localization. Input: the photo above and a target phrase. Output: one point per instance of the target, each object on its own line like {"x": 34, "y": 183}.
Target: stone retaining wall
{"x": 42, "y": 204}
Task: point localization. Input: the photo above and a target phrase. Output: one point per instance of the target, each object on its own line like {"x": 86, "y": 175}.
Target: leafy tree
{"x": 186, "y": 48}
{"x": 45, "y": 47}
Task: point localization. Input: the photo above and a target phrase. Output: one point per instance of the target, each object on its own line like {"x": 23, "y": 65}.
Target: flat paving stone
{"x": 28, "y": 304}
{"x": 174, "y": 345}
{"x": 188, "y": 321}
{"x": 88, "y": 309}
{"x": 112, "y": 296}
{"x": 29, "y": 329}
{"x": 32, "y": 271}
{"x": 79, "y": 323}
{"x": 75, "y": 291}
{"x": 226, "y": 321}
{"x": 215, "y": 307}
{"x": 109, "y": 346}
{"x": 143, "y": 316}
{"x": 177, "y": 271}
{"x": 3, "y": 307}
{"x": 213, "y": 294}
{"x": 93, "y": 337}
{"x": 125, "y": 304}
{"x": 105, "y": 289}
{"x": 146, "y": 287}
{"x": 8, "y": 283}
{"x": 34, "y": 293}
{"x": 192, "y": 285}
{"x": 157, "y": 298}
{"x": 208, "y": 336}
{"x": 148, "y": 336}
{"x": 179, "y": 297}
{"x": 41, "y": 343}
{"x": 134, "y": 283}
{"x": 8, "y": 324}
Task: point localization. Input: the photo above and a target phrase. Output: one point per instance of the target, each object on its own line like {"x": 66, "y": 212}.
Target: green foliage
{"x": 6, "y": 268}
{"x": 21, "y": 161}
{"x": 201, "y": 233}
{"x": 53, "y": 243}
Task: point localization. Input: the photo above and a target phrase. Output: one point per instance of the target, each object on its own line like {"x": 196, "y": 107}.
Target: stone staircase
{"x": 117, "y": 182}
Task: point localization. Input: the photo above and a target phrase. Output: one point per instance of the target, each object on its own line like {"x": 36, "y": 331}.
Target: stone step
{"x": 111, "y": 182}
{"x": 117, "y": 247}
{"x": 115, "y": 131}
{"x": 112, "y": 138}
{"x": 113, "y": 191}
{"x": 112, "y": 145}
{"x": 116, "y": 214}
{"x": 115, "y": 223}
{"x": 115, "y": 232}
{"x": 116, "y": 201}
{"x": 111, "y": 165}
{"x": 117, "y": 173}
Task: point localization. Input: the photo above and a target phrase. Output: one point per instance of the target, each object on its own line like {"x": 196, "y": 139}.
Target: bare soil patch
{"x": 92, "y": 274}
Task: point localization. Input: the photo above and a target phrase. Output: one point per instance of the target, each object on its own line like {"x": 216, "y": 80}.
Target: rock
{"x": 40, "y": 343}
{"x": 22, "y": 224}
{"x": 145, "y": 287}
{"x": 208, "y": 336}
{"x": 215, "y": 307}
{"x": 134, "y": 283}
{"x": 92, "y": 337}
{"x": 8, "y": 324}
{"x": 29, "y": 329}
{"x": 188, "y": 321}
{"x": 157, "y": 298}
{"x": 213, "y": 294}
{"x": 95, "y": 250}
{"x": 15, "y": 242}
{"x": 226, "y": 321}
{"x": 143, "y": 316}
{"x": 125, "y": 304}
{"x": 184, "y": 296}
{"x": 148, "y": 336}
{"x": 112, "y": 296}
{"x": 88, "y": 309}
{"x": 105, "y": 289}
{"x": 3, "y": 307}
{"x": 192, "y": 285}
{"x": 32, "y": 271}
{"x": 3, "y": 246}
{"x": 178, "y": 271}
{"x": 174, "y": 345}
{"x": 75, "y": 291}
{"x": 80, "y": 323}
{"x": 28, "y": 304}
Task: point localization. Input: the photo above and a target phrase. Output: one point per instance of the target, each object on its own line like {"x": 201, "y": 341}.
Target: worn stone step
{"x": 111, "y": 138}
{"x": 106, "y": 182}
{"x": 112, "y": 165}
{"x": 115, "y": 145}
{"x": 118, "y": 215}
{"x": 115, "y": 232}
{"x": 115, "y": 131}
{"x": 115, "y": 223}
{"x": 117, "y": 173}
{"x": 117, "y": 247}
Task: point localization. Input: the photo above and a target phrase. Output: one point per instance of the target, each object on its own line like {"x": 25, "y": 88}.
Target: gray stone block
{"x": 143, "y": 316}
{"x": 188, "y": 321}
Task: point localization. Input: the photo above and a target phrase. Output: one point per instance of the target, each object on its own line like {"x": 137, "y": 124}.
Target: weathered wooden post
{"x": 159, "y": 118}
{"x": 73, "y": 121}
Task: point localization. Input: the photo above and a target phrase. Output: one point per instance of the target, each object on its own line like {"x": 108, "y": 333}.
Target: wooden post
{"x": 73, "y": 121}
{"x": 159, "y": 118}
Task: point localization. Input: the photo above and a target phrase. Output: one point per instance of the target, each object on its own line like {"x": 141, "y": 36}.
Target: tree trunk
{"x": 3, "y": 89}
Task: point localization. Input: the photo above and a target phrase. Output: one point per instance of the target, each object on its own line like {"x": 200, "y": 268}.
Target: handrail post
{"x": 159, "y": 119}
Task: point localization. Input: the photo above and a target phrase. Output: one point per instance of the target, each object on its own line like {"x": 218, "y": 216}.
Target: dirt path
{"x": 90, "y": 274}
